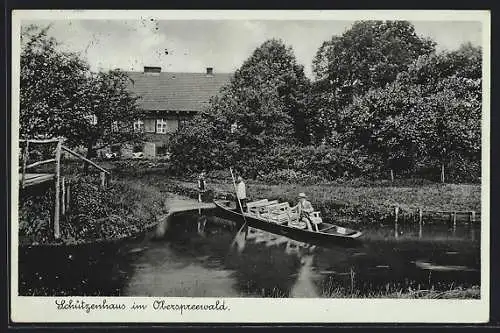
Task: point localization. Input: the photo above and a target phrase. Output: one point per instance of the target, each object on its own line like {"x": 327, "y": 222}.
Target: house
{"x": 169, "y": 99}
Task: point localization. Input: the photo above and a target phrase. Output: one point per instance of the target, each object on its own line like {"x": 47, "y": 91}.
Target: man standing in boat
{"x": 201, "y": 185}
{"x": 304, "y": 209}
{"x": 241, "y": 193}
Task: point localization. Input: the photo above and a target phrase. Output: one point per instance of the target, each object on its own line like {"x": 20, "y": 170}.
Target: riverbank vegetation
{"x": 383, "y": 103}
{"x": 473, "y": 292}
{"x": 122, "y": 209}
{"x": 355, "y": 200}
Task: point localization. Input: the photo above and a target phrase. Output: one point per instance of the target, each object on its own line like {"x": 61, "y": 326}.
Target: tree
{"x": 49, "y": 81}
{"x": 270, "y": 85}
{"x": 367, "y": 56}
{"x": 453, "y": 83}
{"x": 385, "y": 123}
{"x": 61, "y": 97}
{"x": 105, "y": 114}
{"x": 263, "y": 106}
{"x": 429, "y": 116}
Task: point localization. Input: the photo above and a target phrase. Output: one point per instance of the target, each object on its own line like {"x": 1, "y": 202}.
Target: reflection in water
{"x": 206, "y": 256}
{"x": 202, "y": 221}
{"x": 304, "y": 286}
{"x": 159, "y": 272}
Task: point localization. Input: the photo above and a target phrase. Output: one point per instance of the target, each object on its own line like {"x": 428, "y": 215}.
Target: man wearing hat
{"x": 305, "y": 208}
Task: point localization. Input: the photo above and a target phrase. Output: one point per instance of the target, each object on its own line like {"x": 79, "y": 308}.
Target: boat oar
{"x": 239, "y": 204}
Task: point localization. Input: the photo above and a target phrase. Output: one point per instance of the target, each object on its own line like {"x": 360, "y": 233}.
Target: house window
{"x": 161, "y": 126}
{"x": 138, "y": 126}
{"x": 172, "y": 125}
{"x": 149, "y": 125}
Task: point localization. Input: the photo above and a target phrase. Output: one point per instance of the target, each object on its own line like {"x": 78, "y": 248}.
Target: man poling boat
{"x": 300, "y": 221}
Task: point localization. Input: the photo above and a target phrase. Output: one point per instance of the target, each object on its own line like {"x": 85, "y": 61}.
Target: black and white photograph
{"x": 312, "y": 166}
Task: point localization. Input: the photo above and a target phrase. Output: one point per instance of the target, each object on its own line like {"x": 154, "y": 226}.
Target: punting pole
{"x": 239, "y": 204}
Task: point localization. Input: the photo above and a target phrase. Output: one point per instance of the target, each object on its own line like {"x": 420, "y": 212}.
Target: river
{"x": 204, "y": 256}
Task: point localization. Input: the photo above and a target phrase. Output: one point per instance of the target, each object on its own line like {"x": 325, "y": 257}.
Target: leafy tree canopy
{"x": 61, "y": 97}
{"x": 261, "y": 107}
{"x": 430, "y": 115}
{"x": 367, "y": 56}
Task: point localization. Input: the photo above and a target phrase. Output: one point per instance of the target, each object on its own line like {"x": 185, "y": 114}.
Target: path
{"x": 177, "y": 203}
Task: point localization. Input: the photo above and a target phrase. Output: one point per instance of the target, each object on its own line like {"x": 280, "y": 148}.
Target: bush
{"x": 303, "y": 164}
{"x": 120, "y": 210}
{"x": 290, "y": 176}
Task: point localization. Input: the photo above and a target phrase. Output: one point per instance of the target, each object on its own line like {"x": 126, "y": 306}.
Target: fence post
{"x": 63, "y": 197}
{"x": 57, "y": 203}
{"x": 473, "y": 216}
{"x": 103, "y": 179}
{"x": 68, "y": 196}
{"x": 25, "y": 158}
{"x": 454, "y": 219}
{"x": 420, "y": 215}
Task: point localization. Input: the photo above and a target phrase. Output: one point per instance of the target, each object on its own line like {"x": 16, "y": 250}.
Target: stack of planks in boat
{"x": 281, "y": 218}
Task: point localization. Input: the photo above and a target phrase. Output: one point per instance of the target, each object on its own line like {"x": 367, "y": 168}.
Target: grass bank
{"x": 473, "y": 292}
{"x": 350, "y": 201}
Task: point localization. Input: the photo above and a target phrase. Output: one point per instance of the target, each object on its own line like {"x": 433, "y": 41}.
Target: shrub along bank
{"x": 121, "y": 210}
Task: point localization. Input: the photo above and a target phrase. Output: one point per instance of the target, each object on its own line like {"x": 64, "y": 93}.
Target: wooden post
{"x": 442, "y": 173}
{"x": 454, "y": 219}
{"x": 57, "y": 203}
{"x": 103, "y": 179}
{"x": 420, "y": 215}
{"x": 473, "y": 216}
{"x": 25, "y": 158}
{"x": 392, "y": 176}
{"x": 63, "y": 197}
{"x": 68, "y": 196}
{"x": 396, "y": 213}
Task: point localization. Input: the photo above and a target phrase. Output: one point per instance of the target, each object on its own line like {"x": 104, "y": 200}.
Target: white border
{"x": 252, "y": 310}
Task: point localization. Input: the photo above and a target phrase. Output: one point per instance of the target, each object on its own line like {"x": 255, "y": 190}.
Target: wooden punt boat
{"x": 326, "y": 232}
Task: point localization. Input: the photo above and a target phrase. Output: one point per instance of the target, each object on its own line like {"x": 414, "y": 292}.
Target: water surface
{"x": 202, "y": 255}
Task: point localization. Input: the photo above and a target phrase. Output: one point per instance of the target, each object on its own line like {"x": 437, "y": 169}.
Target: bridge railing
{"x": 61, "y": 199}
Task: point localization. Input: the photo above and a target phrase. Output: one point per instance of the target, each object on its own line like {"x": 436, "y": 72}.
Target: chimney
{"x": 151, "y": 70}
{"x": 210, "y": 71}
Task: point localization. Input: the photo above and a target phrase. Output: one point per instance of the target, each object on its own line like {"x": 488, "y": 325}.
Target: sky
{"x": 193, "y": 45}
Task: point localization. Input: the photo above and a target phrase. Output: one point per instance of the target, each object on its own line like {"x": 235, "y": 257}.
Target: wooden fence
{"x": 452, "y": 215}
{"x": 62, "y": 191}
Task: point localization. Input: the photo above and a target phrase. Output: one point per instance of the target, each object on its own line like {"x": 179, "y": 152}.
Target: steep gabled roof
{"x": 176, "y": 91}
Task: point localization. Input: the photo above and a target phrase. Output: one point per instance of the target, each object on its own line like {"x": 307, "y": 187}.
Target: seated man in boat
{"x": 305, "y": 208}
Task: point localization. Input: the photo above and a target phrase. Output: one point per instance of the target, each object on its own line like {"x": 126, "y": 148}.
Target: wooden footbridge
{"x": 28, "y": 180}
